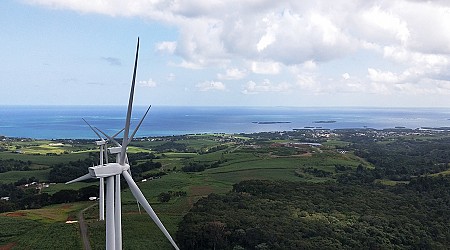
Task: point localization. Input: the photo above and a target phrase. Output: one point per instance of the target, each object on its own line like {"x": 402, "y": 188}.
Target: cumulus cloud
{"x": 211, "y": 85}
{"x": 308, "y": 81}
{"x": 383, "y": 76}
{"x": 266, "y": 86}
{"x": 270, "y": 68}
{"x": 271, "y": 36}
{"x": 149, "y": 83}
{"x": 382, "y": 26}
{"x": 168, "y": 47}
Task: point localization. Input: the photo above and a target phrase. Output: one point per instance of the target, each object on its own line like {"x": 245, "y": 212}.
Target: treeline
{"x": 402, "y": 159}
{"x": 199, "y": 167}
{"x": 139, "y": 169}
{"x": 166, "y": 196}
{"x": 293, "y": 215}
{"x": 141, "y": 156}
{"x": 171, "y": 146}
{"x": 20, "y": 198}
{"x": 65, "y": 172}
{"x": 14, "y": 165}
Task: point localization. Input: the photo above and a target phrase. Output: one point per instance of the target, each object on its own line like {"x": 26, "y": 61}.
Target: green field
{"x": 41, "y": 228}
{"x": 13, "y": 176}
{"x": 44, "y": 159}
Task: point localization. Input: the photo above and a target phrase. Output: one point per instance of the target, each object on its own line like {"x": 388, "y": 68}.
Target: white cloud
{"x": 308, "y": 82}
{"x": 404, "y": 44}
{"x": 309, "y": 65}
{"x": 150, "y": 83}
{"x": 383, "y": 76}
{"x": 382, "y": 26}
{"x": 187, "y": 65}
{"x": 211, "y": 85}
{"x": 270, "y": 68}
{"x": 168, "y": 47}
{"x": 232, "y": 74}
{"x": 266, "y": 86}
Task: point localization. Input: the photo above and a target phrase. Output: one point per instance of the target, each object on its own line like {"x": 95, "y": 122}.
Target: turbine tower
{"x": 112, "y": 173}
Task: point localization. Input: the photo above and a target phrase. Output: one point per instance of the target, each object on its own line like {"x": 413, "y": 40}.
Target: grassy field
{"x": 53, "y": 188}
{"x": 13, "y": 176}
{"x": 43, "y": 228}
{"x": 44, "y": 159}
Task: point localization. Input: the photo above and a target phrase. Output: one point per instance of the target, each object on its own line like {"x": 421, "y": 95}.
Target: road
{"x": 83, "y": 228}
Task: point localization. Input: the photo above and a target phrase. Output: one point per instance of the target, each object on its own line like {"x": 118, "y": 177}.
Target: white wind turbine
{"x": 112, "y": 172}
{"x": 103, "y": 160}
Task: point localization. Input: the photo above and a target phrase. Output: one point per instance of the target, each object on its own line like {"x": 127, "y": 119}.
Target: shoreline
{"x": 311, "y": 129}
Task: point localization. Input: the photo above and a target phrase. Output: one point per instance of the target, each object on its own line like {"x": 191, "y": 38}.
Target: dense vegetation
{"x": 69, "y": 171}
{"x": 291, "y": 215}
{"x": 403, "y": 158}
{"x": 31, "y": 198}
{"x": 14, "y": 165}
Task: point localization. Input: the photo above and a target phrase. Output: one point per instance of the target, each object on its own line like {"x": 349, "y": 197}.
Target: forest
{"x": 352, "y": 212}
{"x": 260, "y": 214}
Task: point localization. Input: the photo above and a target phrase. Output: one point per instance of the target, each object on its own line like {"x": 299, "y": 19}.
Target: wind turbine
{"x": 103, "y": 146}
{"x": 103, "y": 160}
{"x": 112, "y": 172}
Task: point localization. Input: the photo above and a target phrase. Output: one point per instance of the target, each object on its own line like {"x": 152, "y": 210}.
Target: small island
{"x": 270, "y": 122}
{"x": 330, "y": 121}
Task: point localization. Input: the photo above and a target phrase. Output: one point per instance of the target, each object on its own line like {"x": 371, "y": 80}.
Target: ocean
{"x": 65, "y": 122}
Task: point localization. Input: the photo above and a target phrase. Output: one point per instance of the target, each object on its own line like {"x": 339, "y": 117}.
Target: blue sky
{"x": 226, "y": 53}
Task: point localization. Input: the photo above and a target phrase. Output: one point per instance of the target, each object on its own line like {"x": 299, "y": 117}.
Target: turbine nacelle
{"x": 110, "y": 169}
{"x": 100, "y": 143}
{"x": 115, "y": 150}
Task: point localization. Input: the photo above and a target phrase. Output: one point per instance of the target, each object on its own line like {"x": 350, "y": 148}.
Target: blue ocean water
{"x": 58, "y": 122}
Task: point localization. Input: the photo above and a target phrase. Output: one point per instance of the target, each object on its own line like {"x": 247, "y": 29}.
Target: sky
{"x": 311, "y": 53}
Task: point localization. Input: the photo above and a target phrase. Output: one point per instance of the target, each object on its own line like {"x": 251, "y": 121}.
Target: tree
{"x": 164, "y": 197}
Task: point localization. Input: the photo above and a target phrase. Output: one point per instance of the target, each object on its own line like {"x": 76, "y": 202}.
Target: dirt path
{"x": 83, "y": 228}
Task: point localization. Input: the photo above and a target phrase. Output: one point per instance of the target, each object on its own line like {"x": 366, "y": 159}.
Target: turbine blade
{"x": 111, "y": 138}
{"x": 137, "y": 127}
{"x": 129, "y": 171}
{"x": 81, "y": 178}
{"x": 93, "y": 129}
{"x": 130, "y": 108}
{"x": 140, "y": 197}
{"x": 114, "y": 136}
